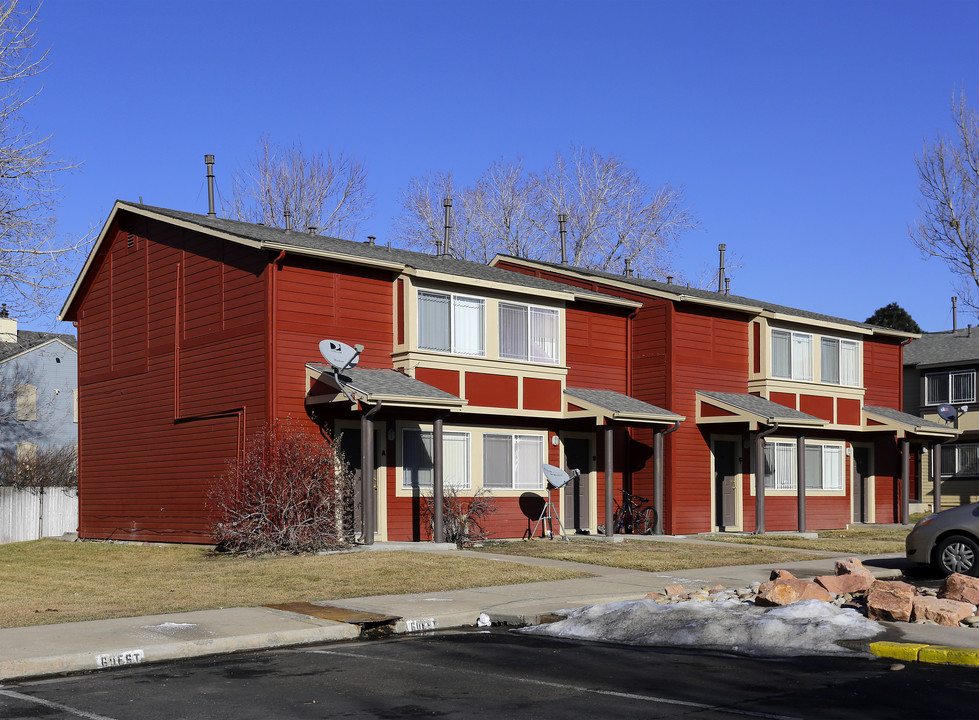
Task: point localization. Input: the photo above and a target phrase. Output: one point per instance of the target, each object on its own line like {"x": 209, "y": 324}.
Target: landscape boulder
{"x": 941, "y": 611}
{"x": 781, "y": 575}
{"x": 784, "y": 591}
{"x": 849, "y": 583}
{"x": 890, "y": 600}
{"x": 961, "y": 588}
{"x": 852, "y": 566}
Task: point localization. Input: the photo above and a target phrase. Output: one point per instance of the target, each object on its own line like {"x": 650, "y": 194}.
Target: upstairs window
{"x": 839, "y": 362}
{"x": 792, "y": 355}
{"x": 451, "y": 323}
{"x": 529, "y": 333}
{"x": 950, "y": 387}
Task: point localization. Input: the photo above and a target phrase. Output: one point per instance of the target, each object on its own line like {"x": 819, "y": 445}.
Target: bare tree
{"x": 612, "y": 214}
{"x": 286, "y": 187}
{"x": 948, "y": 177}
{"x": 34, "y": 262}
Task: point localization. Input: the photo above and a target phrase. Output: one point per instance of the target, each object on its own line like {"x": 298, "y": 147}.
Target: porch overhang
{"x": 889, "y": 420}
{"x": 614, "y": 406}
{"x": 722, "y": 407}
{"x": 392, "y": 388}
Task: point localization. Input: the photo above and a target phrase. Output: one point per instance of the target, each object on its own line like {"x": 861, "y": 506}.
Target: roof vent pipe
{"x": 955, "y": 323}
{"x": 209, "y": 162}
{"x": 447, "y": 204}
{"x": 561, "y": 219}
{"x": 727, "y": 286}
{"x": 311, "y": 229}
{"x": 371, "y": 239}
{"x": 287, "y": 214}
{"x": 720, "y": 271}
{"x": 669, "y": 279}
{"x": 628, "y": 267}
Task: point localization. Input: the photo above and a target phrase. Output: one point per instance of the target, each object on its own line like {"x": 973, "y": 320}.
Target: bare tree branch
{"x": 948, "y": 178}
{"x": 320, "y": 190}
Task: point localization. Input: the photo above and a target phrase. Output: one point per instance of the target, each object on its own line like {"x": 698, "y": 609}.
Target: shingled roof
{"x": 687, "y": 292}
{"x": 298, "y": 241}
{"x": 29, "y": 339}
{"x": 956, "y": 347}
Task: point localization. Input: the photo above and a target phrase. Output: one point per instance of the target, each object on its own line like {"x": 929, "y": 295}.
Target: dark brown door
{"x": 861, "y": 473}
{"x": 350, "y": 446}
{"x": 725, "y": 482}
{"x": 577, "y": 456}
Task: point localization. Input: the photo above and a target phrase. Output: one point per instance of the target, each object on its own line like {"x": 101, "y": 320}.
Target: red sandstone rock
{"x": 961, "y": 588}
{"x": 848, "y": 566}
{"x": 783, "y": 592}
{"x": 673, "y": 589}
{"x": 941, "y": 611}
{"x": 654, "y": 595}
{"x": 890, "y": 600}
{"x": 847, "y": 583}
{"x": 781, "y": 575}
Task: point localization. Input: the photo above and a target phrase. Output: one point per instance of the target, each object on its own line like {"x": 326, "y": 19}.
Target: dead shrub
{"x": 42, "y": 467}
{"x": 291, "y": 492}
{"x": 462, "y": 518}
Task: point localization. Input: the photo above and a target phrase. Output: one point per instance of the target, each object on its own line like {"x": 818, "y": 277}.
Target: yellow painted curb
{"x": 921, "y": 652}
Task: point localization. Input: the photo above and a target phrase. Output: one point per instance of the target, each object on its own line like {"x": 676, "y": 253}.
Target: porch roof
{"x": 617, "y": 406}
{"x": 889, "y": 419}
{"x": 389, "y": 386}
{"x": 724, "y": 407}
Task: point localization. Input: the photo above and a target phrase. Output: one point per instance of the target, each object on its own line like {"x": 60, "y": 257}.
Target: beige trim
{"x": 741, "y": 415}
{"x": 738, "y": 441}
{"x": 888, "y": 425}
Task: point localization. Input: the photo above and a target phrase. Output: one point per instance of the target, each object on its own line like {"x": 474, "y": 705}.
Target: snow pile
{"x": 808, "y": 627}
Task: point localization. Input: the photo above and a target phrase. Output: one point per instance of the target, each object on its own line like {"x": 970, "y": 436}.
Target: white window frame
{"x": 455, "y": 308}
{"x": 534, "y": 469}
{"x": 800, "y": 366}
{"x": 784, "y": 475}
{"x": 949, "y": 387}
{"x": 459, "y": 478}
{"x": 960, "y": 469}
{"x": 843, "y": 379}
{"x": 530, "y": 312}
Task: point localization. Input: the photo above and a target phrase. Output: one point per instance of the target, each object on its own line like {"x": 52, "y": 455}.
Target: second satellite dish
{"x": 340, "y": 355}
{"x": 947, "y": 413}
{"x": 556, "y": 477}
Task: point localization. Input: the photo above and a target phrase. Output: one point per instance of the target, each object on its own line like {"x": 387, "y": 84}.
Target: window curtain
{"x": 528, "y": 472}
{"x": 801, "y": 357}
{"x": 497, "y": 461}
{"x": 832, "y": 478}
{"x": 513, "y": 332}
{"x": 829, "y": 361}
{"x": 455, "y": 460}
{"x": 467, "y": 326}
{"x": 544, "y": 335}
{"x": 433, "y": 321}
{"x": 781, "y": 364}
{"x": 416, "y": 453}
{"x": 850, "y": 363}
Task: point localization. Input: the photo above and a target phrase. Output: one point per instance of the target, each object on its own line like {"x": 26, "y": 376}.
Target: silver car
{"x": 949, "y": 540}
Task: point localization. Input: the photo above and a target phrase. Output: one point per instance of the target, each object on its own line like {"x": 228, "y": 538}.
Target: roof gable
{"x": 28, "y": 340}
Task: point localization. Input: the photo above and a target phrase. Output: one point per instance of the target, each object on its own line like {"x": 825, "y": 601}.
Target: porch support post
{"x": 905, "y": 479}
{"x": 438, "y": 500}
{"x": 658, "y": 482}
{"x": 800, "y": 458}
{"x": 367, "y": 478}
{"x": 936, "y": 475}
{"x": 609, "y": 495}
{"x": 760, "y": 478}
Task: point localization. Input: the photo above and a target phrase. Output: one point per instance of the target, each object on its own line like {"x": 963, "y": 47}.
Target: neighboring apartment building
{"x": 940, "y": 369}
{"x": 38, "y": 373}
{"x": 195, "y": 331}
{"x": 761, "y": 385}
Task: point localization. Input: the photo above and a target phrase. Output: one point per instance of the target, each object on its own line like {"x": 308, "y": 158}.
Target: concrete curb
{"x": 921, "y": 652}
{"x": 174, "y": 650}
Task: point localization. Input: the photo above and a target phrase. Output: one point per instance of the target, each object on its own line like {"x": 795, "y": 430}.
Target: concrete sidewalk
{"x": 84, "y": 646}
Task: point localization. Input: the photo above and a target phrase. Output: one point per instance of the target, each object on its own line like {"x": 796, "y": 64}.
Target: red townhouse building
{"x": 771, "y": 395}
{"x": 194, "y": 332}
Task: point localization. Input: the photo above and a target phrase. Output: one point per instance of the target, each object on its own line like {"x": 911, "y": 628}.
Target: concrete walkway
{"x": 84, "y": 646}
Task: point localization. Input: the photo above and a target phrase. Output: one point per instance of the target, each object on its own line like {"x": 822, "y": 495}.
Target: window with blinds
{"x": 451, "y": 323}
{"x": 513, "y": 461}
{"x": 529, "y": 333}
{"x": 418, "y": 466}
{"x": 824, "y": 466}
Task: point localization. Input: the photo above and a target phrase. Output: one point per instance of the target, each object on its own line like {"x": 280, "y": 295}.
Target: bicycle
{"x": 632, "y": 516}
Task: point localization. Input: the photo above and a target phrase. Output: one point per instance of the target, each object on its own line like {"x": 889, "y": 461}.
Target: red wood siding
{"x": 786, "y": 399}
{"x": 539, "y": 394}
{"x": 171, "y": 377}
{"x": 488, "y": 390}
{"x": 882, "y": 372}
{"x": 708, "y": 410}
{"x": 447, "y": 380}
{"x": 847, "y": 411}
{"x": 596, "y": 347}
{"x": 819, "y": 405}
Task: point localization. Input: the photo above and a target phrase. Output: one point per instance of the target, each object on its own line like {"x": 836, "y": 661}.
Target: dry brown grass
{"x": 863, "y": 541}
{"x": 650, "y": 556}
{"x": 47, "y": 581}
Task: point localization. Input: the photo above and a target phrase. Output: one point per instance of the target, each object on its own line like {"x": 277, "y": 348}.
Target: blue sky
{"x": 792, "y": 125}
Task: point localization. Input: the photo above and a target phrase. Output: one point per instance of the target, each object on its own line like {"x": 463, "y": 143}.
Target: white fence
{"x": 30, "y": 514}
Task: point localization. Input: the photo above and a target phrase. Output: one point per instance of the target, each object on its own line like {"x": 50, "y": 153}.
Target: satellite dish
{"x": 947, "y": 413}
{"x": 340, "y": 355}
{"x": 556, "y": 477}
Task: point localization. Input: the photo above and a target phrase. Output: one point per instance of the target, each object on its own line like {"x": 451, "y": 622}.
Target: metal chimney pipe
{"x": 955, "y": 323}
{"x": 669, "y": 279}
{"x": 561, "y": 219}
{"x": 720, "y": 272}
{"x": 727, "y": 286}
{"x": 447, "y": 204}
{"x": 311, "y": 229}
{"x": 628, "y": 267}
{"x": 371, "y": 239}
{"x": 287, "y": 214}
{"x": 209, "y": 162}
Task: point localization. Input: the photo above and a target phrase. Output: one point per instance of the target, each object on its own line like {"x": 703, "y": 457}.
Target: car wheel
{"x": 959, "y": 554}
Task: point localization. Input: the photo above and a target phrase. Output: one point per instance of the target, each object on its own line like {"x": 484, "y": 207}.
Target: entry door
{"x": 577, "y": 455}
{"x": 861, "y": 473}
{"x": 725, "y": 482}
{"x": 350, "y": 445}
